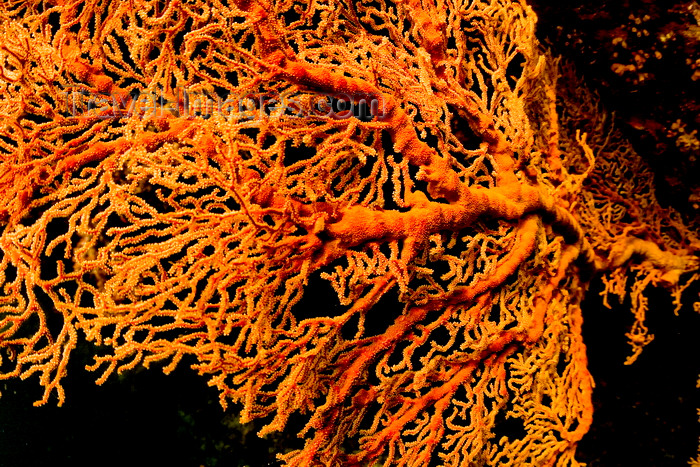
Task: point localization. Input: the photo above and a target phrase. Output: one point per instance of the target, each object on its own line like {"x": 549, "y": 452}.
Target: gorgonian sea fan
{"x": 180, "y": 179}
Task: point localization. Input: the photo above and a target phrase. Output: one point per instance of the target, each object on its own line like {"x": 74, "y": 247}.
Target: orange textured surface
{"x": 477, "y": 188}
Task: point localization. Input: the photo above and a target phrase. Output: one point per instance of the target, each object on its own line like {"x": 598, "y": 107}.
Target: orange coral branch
{"x": 454, "y": 213}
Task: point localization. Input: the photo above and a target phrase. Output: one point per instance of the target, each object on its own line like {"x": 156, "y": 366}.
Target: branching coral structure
{"x": 176, "y": 175}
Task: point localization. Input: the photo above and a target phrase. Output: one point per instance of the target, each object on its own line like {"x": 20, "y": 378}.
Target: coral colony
{"x": 181, "y": 179}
